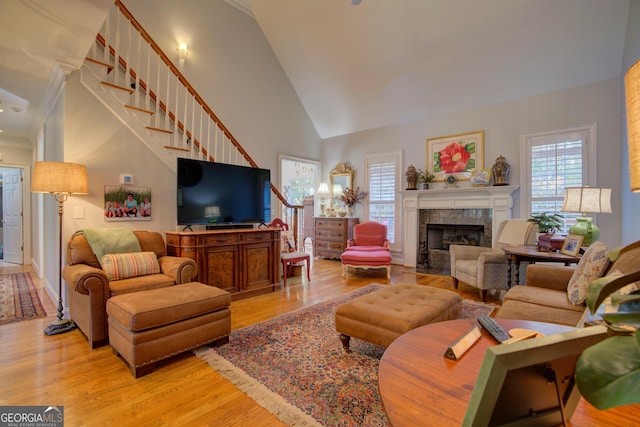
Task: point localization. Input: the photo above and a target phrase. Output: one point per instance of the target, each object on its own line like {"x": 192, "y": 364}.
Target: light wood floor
{"x": 96, "y": 388}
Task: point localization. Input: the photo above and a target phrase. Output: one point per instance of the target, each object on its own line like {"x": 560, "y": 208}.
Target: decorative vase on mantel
{"x": 500, "y": 171}
{"x": 350, "y": 211}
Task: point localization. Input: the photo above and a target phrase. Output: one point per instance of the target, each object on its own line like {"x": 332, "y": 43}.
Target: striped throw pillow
{"x": 123, "y": 266}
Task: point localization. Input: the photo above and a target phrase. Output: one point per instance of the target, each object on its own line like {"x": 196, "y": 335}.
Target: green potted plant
{"x": 608, "y": 373}
{"x": 424, "y": 178}
{"x": 548, "y": 223}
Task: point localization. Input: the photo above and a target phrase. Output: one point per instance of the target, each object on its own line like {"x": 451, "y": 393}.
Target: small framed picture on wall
{"x": 126, "y": 203}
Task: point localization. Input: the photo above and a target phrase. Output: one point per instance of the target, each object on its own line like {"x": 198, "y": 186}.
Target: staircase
{"x": 129, "y": 73}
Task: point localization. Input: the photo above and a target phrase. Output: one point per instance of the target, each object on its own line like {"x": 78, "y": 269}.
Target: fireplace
{"x": 440, "y": 228}
{"x": 469, "y": 207}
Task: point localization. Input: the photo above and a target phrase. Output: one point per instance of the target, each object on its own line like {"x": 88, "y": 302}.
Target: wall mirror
{"x": 341, "y": 175}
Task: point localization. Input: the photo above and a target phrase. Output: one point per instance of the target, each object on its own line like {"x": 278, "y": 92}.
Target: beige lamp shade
{"x": 587, "y": 200}
{"x": 337, "y": 190}
{"x": 59, "y": 178}
{"x": 323, "y": 190}
{"x": 632, "y": 94}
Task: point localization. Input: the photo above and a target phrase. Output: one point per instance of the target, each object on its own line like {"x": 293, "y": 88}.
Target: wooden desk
{"x": 518, "y": 253}
{"x": 420, "y": 387}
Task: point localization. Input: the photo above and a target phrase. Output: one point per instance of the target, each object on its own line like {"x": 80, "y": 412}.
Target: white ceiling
{"x": 360, "y": 67}
{"x": 384, "y": 62}
{"x": 34, "y": 36}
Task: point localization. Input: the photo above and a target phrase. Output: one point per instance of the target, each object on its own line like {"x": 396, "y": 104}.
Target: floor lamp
{"x": 60, "y": 180}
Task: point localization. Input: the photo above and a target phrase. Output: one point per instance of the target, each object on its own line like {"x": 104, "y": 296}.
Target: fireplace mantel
{"x": 499, "y": 199}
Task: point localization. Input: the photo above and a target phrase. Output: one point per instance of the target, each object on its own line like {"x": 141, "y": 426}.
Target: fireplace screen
{"x": 440, "y": 236}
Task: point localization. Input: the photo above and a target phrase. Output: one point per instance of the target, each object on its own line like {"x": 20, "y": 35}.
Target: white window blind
{"x": 556, "y": 161}
{"x": 382, "y": 195}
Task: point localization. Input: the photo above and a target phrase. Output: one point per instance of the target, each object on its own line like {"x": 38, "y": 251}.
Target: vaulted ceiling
{"x": 357, "y": 67}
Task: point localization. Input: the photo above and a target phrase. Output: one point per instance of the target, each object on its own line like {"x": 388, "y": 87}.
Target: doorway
{"x": 11, "y": 225}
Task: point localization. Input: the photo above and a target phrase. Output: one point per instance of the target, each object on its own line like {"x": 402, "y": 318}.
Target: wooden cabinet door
{"x": 258, "y": 263}
{"x": 222, "y": 267}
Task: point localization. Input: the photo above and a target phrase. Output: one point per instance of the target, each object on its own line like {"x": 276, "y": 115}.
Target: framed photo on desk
{"x": 571, "y": 245}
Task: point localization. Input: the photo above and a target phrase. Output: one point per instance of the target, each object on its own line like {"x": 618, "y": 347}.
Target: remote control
{"x": 491, "y": 326}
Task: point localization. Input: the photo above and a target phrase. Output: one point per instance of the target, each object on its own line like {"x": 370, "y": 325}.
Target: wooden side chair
{"x": 289, "y": 255}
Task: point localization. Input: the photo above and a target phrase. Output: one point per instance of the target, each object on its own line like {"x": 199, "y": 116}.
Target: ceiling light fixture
{"x": 355, "y": 2}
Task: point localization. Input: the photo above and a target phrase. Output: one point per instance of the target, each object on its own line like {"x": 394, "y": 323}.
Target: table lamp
{"x": 60, "y": 180}
{"x": 586, "y": 200}
{"x": 323, "y": 194}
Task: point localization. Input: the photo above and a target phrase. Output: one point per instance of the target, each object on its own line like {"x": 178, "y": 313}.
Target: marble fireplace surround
{"x": 499, "y": 199}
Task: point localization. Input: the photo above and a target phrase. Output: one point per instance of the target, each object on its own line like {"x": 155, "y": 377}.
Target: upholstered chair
{"x": 369, "y": 236}
{"x": 487, "y": 268}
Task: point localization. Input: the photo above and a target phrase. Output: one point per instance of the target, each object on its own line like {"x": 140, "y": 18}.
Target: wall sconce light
{"x": 632, "y": 94}
{"x": 183, "y": 50}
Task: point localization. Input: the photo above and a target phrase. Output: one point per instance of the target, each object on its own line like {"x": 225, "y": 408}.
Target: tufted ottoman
{"x": 366, "y": 259}
{"x": 383, "y": 315}
{"x": 148, "y": 326}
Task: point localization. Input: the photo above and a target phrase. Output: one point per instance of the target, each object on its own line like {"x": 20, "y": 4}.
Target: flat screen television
{"x": 219, "y": 194}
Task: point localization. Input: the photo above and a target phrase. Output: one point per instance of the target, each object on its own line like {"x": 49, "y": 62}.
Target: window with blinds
{"x": 556, "y": 160}
{"x": 382, "y": 173}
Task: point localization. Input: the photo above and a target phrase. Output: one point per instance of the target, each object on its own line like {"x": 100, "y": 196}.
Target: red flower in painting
{"x": 454, "y": 158}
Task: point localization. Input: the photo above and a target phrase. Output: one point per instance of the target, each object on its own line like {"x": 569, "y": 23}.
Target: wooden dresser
{"x": 244, "y": 262}
{"x": 331, "y": 236}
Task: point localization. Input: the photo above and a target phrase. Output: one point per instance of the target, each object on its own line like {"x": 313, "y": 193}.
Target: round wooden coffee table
{"x": 420, "y": 387}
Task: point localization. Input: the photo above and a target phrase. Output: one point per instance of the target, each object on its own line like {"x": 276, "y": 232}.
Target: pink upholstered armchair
{"x": 369, "y": 236}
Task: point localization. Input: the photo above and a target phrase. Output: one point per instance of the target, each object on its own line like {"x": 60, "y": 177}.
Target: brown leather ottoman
{"x": 383, "y": 315}
{"x": 148, "y": 326}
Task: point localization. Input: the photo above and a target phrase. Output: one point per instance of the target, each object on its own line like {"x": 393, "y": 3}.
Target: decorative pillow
{"x": 123, "y": 266}
{"x": 591, "y": 266}
{"x": 288, "y": 242}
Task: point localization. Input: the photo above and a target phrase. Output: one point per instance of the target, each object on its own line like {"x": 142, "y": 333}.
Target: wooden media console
{"x": 244, "y": 262}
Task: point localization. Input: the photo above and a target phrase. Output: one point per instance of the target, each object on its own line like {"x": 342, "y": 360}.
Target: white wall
{"x": 233, "y": 68}
{"x": 503, "y": 123}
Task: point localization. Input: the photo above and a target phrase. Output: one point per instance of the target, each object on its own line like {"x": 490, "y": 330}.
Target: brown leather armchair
{"x": 89, "y": 288}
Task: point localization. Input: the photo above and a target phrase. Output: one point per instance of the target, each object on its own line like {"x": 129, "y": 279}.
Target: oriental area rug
{"x": 294, "y": 366}
{"x": 19, "y": 299}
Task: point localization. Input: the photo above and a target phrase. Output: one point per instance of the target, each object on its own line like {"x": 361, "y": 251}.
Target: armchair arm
{"x": 465, "y": 252}
{"x": 493, "y": 257}
{"x": 549, "y": 276}
{"x": 180, "y": 269}
{"x": 87, "y": 280}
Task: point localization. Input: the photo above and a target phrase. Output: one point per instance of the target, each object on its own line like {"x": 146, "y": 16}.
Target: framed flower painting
{"x": 456, "y": 155}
